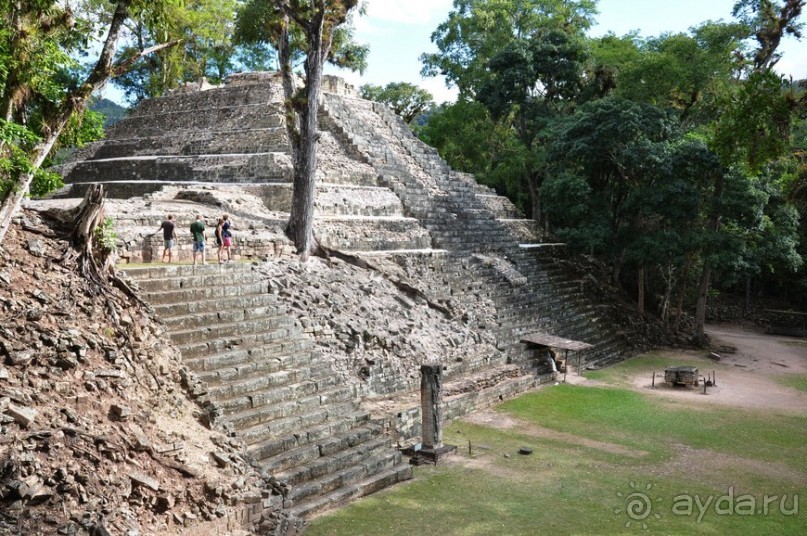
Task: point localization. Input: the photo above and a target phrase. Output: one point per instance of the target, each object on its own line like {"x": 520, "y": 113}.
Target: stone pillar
{"x": 431, "y": 399}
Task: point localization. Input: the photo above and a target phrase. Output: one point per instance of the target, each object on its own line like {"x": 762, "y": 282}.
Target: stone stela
{"x": 431, "y": 401}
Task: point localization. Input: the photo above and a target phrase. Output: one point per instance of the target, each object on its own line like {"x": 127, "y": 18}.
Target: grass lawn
{"x": 606, "y": 460}
{"x": 796, "y": 381}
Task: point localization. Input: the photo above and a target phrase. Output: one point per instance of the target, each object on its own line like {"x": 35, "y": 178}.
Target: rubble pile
{"x": 360, "y": 318}
{"x": 97, "y": 435}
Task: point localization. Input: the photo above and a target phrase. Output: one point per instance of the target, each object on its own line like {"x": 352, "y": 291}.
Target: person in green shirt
{"x": 198, "y": 232}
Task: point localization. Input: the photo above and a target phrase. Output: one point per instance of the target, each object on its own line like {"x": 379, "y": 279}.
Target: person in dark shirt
{"x": 169, "y": 235}
{"x": 217, "y": 233}
{"x": 226, "y": 238}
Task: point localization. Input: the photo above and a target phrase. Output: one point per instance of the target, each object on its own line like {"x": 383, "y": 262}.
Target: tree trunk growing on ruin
{"x": 317, "y": 19}
{"x": 73, "y": 102}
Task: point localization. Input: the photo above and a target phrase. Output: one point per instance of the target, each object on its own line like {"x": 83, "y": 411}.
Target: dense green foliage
{"x": 112, "y": 111}
{"x": 405, "y": 99}
{"x": 15, "y": 141}
{"x": 39, "y": 46}
{"x": 678, "y": 160}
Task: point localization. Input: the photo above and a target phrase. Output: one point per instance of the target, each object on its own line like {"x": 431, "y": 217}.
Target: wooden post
{"x": 714, "y": 379}
{"x": 653, "y": 385}
{"x": 565, "y": 364}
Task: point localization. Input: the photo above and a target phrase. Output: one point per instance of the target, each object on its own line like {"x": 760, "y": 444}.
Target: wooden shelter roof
{"x": 544, "y": 339}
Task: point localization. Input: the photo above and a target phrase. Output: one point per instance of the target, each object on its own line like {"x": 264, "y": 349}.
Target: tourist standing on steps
{"x": 219, "y": 242}
{"x": 169, "y": 235}
{"x": 198, "y": 233}
{"x": 226, "y": 238}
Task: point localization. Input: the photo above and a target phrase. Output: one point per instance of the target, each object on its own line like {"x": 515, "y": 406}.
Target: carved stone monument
{"x": 431, "y": 402}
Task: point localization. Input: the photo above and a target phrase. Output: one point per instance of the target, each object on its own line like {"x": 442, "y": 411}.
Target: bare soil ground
{"x": 746, "y": 378}
{"x": 747, "y": 374}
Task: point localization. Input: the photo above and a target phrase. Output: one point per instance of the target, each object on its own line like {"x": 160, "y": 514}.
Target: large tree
{"x": 477, "y": 30}
{"x": 531, "y": 84}
{"x": 205, "y": 30}
{"x": 405, "y": 99}
{"x": 71, "y": 99}
{"x": 523, "y": 60}
{"x": 318, "y": 21}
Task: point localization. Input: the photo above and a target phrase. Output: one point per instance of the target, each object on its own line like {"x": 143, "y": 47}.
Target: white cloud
{"x": 437, "y": 87}
{"x": 407, "y": 11}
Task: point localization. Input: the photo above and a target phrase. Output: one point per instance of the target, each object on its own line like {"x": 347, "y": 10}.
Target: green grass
{"x": 796, "y": 381}
{"x": 619, "y": 374}
{"x": 574, "y": 483}
{"x": 636, "y": 420}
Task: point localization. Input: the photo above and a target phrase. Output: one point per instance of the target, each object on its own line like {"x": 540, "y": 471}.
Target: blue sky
{"x": 398, "y": 31}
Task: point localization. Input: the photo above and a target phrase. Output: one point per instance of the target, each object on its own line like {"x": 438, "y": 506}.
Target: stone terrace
{"x": 315, "y": 367}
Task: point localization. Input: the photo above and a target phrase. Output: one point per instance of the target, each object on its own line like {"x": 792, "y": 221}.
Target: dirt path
{"x": 749, "y": 373}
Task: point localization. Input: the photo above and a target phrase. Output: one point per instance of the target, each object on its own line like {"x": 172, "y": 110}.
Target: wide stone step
{"x": 225, "y": 118}
{"x": 279, "y": 355}
{"x": 273, "y": 446}
{"x": 226, "y": 316}
{"x": 228, "y": 168}
{"x": 343, "y": 478}
{"x": 170, "y": 311}
{"x": 259, "y": 379}
{"x": 384, "y": 479}
{"x": 268, "y": 368}
{"x": 224, "y": 277}
{"x": 257, "y": 410}
{"x": 188, "y": 139}
{"x": 238, "y": 381}
{"x": 302, "y": 460}
{"x": 259, "y": 95}
{"x": 203, "y": 348}
{"x": 345, "y": 452}
{"x": 209, "y": 293}
{"x": 166, "y": 271}
{"x": 250, "y": 403}
{"x": 285, "y": 426}
{"x": 221, "y": 330}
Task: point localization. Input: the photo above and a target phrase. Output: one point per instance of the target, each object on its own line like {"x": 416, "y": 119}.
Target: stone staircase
{"x": 465, "y": 217}
{"x": 258, "y": 375}
{"x": 449, "y": 204}
{"x": 381, "y": 194}
{"x": 381, "y": 191}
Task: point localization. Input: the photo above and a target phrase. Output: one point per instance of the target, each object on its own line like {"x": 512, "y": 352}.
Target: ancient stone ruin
{"x": 316, "y": 366}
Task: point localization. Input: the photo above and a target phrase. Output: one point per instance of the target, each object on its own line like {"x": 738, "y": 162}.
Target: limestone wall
{"x": 380, "y": 190}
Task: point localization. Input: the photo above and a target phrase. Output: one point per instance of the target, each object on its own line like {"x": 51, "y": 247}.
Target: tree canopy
{"x": 675, "y": 159}
{"x": 405, "y": 99}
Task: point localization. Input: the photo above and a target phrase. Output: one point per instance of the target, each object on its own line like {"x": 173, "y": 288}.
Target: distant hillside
{"x": 113, "y": 111}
